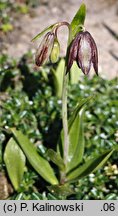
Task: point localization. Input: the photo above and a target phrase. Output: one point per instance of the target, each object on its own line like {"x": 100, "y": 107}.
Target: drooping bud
{"x": 84, "y": 51}
{"x": 55, "y": 51}
{"x": 44, "y": 50}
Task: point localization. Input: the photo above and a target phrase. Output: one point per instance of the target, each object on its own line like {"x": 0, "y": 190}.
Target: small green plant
{"x": 69, "y": 152}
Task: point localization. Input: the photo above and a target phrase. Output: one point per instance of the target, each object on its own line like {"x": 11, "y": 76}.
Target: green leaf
{"x": 78, "y": 108}
{"x": 74, "y": 74}
{"x": 115, "y": 147}
{"x": 15, "y": 162}
{"x": 111, "y": 196}
{"x": 76, "y": 138}
{"x": 78, "y": 20}
{"x": 51, "y": 197}
{"x": 55, "y": 158}
{"x": 90, "y": 166}
{"x": 43, "y": 32}
{"x": 36, "y": 196}
{"x": 20, "y": 196}
{"x": 73, "y": 122}
{"x": 40, "y": 164}
{"x": 76, "y": 135}
{"x": 58, "y": 78}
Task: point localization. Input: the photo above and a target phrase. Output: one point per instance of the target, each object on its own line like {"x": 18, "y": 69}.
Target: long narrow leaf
{"x": 58, "y": 78}
{"x": 40, "y": 164}
{"x": 83, "y": 102}
{"x": 78, "y": 19}
{"x": 15, "y": 162}
{"x": 76, "y": 135}
{"x": 73, "y": 133}
{"x": 43, "y": 32}
{"x": 90, "y": 166}
{"x": 74, "y": 74}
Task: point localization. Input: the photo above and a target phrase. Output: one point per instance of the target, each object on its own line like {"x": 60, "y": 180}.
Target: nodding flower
{"x": 83, "y": 50}
{"x": 44, "y": 49}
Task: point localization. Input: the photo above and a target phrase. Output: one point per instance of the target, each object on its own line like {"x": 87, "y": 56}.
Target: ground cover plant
{"x": 34, "y": 154}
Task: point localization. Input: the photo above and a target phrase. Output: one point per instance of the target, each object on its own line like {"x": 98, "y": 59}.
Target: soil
{"x": 101, "y": 22}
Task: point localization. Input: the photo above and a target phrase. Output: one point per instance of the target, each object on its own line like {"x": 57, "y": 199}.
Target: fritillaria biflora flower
{"x": 44, "y": 50}
{"x": 49, "y": 47}
{"x": 83, "y": 50}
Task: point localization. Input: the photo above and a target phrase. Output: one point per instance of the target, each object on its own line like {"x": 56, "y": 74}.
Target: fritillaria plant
{"x": 81, "y": 48}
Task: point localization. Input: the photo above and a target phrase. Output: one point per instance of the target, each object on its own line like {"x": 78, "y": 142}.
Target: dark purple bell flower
{"x": 44, "y": 49}
{"x": 83, "y": 50}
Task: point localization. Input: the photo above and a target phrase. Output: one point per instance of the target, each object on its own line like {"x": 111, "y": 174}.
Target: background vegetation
{"x": 28, "y": 102}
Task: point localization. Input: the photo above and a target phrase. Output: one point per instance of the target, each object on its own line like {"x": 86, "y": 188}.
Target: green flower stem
{"x": 64, "y": 109}
{"x": 65, "y": 117}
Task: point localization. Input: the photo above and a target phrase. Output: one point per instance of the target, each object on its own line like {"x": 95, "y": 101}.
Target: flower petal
{"x": 73, "y": 51}
{"x": 44, "y": 49}
{"x": 84, "y": 57}
{"x": 94, "y": 55}
{"x": 94, "y": 52}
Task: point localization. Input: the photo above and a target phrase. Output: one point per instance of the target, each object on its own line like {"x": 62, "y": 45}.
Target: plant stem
{"x": 65, "y": 125}
{"x": 64, "y": 116}
{"x": 64, "y": 109}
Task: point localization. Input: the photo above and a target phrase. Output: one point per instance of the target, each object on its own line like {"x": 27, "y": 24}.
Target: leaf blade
{"x": 90, "y": 166}
{"x": 75, "y": 72}
{"x": 78, "y": 19}
{"x": 76, "y": 135}
{"x": 40, "y": 164}
{"x": 15, "y": 162}
{"x": 58, "y": 78}
{"x": 42, "y": 32}
{"x": 71, "y": 120}
{"x": 78, "y": 107}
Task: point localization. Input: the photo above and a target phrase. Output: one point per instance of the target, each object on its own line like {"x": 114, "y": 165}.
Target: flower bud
{"x": 55, "y": 51}
{"x": 44, "y": 50}
{"x": 84, "y": 51}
